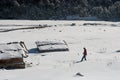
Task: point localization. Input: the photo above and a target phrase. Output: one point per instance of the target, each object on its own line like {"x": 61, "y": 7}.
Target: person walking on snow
{"x": 84, "y": 54}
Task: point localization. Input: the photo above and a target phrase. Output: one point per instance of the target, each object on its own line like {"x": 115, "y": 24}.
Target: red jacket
{"x": 85, "y": 52}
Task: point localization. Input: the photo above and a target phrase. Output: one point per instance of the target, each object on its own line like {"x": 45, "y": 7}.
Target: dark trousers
{"x": 84, "y": 57}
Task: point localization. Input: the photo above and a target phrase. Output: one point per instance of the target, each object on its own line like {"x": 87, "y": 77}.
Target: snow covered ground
{"x": 99, "y": 37}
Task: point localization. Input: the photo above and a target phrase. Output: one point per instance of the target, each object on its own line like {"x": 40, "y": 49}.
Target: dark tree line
{"x": 59, "y": 9}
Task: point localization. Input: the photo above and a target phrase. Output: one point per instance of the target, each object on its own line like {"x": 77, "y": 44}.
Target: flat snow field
{"x": 102, "y": 40}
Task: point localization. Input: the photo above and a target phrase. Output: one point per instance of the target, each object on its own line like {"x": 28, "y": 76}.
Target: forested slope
{"x": 59, "y": 9}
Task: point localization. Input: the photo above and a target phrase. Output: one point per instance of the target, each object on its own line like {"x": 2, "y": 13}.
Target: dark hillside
{"x": 59, "y": 9}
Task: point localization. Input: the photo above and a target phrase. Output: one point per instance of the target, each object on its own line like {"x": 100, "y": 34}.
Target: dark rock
{"x": 79, "y": 74}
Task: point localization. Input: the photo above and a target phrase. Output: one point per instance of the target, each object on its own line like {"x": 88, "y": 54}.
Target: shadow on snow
{"x": 33, "y": 51}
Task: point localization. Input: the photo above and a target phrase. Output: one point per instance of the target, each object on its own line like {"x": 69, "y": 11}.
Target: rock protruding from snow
{"x": 11, "y": 55}
{"x": 48, "y": 46}
{"x": 79, "y": 74}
